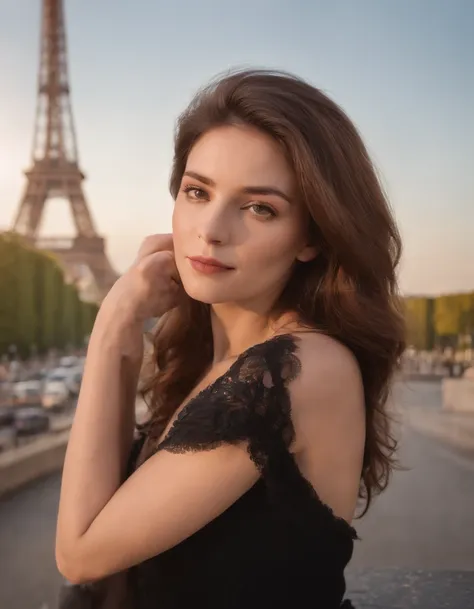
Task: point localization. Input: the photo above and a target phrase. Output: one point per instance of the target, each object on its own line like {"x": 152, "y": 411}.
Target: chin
{"x": 209, "y": 296}
{"x": 208, "y": 291}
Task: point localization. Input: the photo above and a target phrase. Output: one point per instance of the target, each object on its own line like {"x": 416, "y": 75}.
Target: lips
{"x": 208, "y": 266}
{"x": 210, "y": 262}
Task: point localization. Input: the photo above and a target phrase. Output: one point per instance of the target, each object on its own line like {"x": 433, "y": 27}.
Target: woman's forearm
{"x": 102, "y": 431}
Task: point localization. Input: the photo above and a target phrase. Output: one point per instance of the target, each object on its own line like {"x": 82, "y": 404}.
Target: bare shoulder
{"x": 328, "y": 416}
{"x": 328, "y": 368}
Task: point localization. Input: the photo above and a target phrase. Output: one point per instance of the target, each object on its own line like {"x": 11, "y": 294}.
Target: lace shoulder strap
{"x": 249, "y": 403}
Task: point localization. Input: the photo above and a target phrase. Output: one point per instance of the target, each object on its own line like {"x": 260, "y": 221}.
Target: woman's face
{"x": 237, "y": 205}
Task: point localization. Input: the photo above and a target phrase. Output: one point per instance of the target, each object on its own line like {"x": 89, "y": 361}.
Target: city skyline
{"x": 403, "y": 73}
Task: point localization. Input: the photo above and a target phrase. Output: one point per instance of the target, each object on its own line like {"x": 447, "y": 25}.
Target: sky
{"x": 402, "y": 69}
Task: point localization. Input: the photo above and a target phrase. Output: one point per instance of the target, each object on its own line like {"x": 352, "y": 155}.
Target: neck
{"x": 235, "y": 329}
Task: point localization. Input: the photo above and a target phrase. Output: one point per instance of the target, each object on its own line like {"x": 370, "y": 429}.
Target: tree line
{"x": 39, "y": 310}
{"x": 439, "y": 321}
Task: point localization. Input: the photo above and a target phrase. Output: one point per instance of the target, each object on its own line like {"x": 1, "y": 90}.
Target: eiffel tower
{"x": 55, "y": 170}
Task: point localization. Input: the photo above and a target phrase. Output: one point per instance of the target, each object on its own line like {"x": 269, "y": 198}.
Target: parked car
{"x": 55, "y": 394}
{"x": 27, "y": 393}
{"x": 31, "y": 420}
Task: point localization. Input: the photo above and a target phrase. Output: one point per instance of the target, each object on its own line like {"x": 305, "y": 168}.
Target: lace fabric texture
{"x": 249, "y": 403}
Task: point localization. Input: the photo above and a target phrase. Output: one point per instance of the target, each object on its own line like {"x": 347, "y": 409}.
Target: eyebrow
{"x": 250, "y": 190}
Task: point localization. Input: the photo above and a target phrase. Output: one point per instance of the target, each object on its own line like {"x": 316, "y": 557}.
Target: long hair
{"x": 349, "y": 291}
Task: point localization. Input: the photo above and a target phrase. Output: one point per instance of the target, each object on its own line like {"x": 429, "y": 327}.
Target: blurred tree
{"x": 452, "y": 313}
{"x": 38, "y": 309}
{"x": 419, "y": 322}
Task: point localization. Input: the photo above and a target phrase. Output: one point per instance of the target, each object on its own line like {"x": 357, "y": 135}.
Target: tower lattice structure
{"x": 55, "y": 170}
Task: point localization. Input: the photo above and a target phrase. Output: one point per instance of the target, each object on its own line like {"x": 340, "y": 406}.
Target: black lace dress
{"x": 279, "y": 546}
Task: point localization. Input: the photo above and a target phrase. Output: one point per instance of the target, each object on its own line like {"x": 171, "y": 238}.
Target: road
{"x": 28, "y": 576}
{"x": 424, "y": 520}
{"x": 418, "y": 393}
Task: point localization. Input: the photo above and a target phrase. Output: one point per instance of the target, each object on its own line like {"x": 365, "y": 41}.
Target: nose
{"x": 215, "y": 224}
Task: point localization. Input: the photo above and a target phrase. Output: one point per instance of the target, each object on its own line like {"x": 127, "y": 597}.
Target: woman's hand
{"x": 149, "y": 288}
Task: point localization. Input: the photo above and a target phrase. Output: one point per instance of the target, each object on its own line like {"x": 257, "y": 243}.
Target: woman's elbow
{"x": 74, "y": 568}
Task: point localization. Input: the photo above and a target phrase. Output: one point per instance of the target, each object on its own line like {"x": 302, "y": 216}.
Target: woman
{"x": 279, "y": 331}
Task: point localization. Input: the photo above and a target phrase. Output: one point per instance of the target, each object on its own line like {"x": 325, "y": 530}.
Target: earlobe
{"x": 307, "y": 254}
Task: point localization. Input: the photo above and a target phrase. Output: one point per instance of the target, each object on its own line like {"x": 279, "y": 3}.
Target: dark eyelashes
{"x": 267, "y": 208}
{"x": 256, "y": 204}
{"x": 189, "y": 188}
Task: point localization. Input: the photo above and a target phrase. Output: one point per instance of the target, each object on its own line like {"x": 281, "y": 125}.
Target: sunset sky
{"x": 403, "y": 70}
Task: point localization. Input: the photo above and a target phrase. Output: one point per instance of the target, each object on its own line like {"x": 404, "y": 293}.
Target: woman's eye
{"x": 259, "y": 209}
{"x": 193, "y": 192}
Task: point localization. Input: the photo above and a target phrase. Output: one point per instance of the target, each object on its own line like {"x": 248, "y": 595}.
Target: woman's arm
{"x": 102, "y": 431}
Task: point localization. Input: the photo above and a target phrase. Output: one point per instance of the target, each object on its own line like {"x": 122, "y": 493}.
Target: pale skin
{"x": 106, "y": 526}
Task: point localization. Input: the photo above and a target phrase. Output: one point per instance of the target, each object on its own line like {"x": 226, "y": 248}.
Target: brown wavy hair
{"x": 349, "y": 291}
